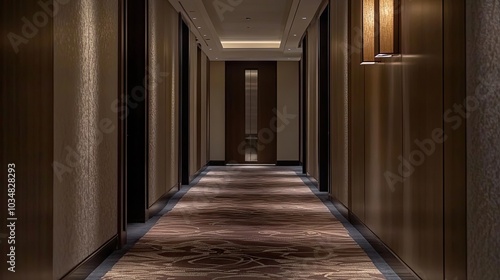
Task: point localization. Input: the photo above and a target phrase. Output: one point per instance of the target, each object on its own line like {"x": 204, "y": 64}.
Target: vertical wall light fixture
{"x": 388, "y": 17}
{"x": 370, "y": 46}
{"x": 380, "y": 29}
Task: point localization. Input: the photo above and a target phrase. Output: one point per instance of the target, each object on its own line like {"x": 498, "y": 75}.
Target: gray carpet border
{"x": 377, "y": 260}
{"x": 136, "y": 231}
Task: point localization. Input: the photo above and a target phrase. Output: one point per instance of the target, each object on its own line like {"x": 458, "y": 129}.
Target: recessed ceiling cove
{"x": 249, "y": 20}
{"x": 249, "y": 29}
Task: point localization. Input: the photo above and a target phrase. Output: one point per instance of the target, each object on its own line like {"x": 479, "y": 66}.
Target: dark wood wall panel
{"x": 383, "y": 146}
{"x": 267, "y": 110}
{"x": 27, "y": 140}
{"x": 422, "y": 49}
{"x": 455, "y": 232}
{"x": 415, "y": 203}
{"x": 339, "y": 87}
{"x": 235, "y": 119}
{"x": 357, "y": 116}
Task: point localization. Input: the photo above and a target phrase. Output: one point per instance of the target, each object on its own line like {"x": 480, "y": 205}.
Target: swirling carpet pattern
{"x": 247, "y": 223}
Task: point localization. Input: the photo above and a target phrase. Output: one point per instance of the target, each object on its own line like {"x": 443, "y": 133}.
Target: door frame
{"x": 184, "y": 91}
{"x": 122, "y": 125}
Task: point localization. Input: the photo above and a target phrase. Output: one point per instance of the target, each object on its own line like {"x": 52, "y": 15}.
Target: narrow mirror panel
{"x": 251, "y": 101}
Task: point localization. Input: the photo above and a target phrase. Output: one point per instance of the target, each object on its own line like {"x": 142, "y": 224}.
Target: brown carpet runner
{"x": 247, "y": 223}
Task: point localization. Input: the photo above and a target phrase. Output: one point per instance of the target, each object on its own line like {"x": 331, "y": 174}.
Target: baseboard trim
{"x": 341, "y": 207}
{"x": 313, "y": 180}
{"x": 88, "y": 265}
{"x": 216, "y": 163}
{"x": 198, "y": 173}
{"x": 389, "y": 256}
{"x": 162, "y": 202}
{"x": 288, "y": 163}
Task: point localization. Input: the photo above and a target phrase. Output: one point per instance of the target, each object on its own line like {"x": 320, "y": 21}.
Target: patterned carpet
{"x": 247, "y": 223}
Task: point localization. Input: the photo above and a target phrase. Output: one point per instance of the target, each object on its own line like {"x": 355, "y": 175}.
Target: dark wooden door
{"x": 251, "y": 139}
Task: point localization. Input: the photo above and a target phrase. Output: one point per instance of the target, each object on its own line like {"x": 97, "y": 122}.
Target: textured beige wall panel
{"x": 172, "y": 100}
{"x": 204, "y": 116}
{"x": 85, "y": 127}
{"x": 217, "y": 110}
{"x": 288, "y": 104}
{"x": 193, "y": 102}
{"x": 157, "y": 90}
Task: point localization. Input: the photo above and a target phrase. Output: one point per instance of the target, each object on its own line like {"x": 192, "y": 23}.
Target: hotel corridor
{"x": 250, "y": 139}
{"x": 247, "y": 222}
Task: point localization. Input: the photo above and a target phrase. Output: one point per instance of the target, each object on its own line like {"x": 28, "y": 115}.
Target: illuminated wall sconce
{"x": 388, "y": 18}
{"x": 380, "y": 29}
{"x": 370, "y": 46}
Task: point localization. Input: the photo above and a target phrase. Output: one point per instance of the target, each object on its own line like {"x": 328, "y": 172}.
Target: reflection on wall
{"x": 251, "y": 103}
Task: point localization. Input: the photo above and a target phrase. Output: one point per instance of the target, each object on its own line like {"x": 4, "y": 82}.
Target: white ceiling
{"x": 249, "y": 29}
